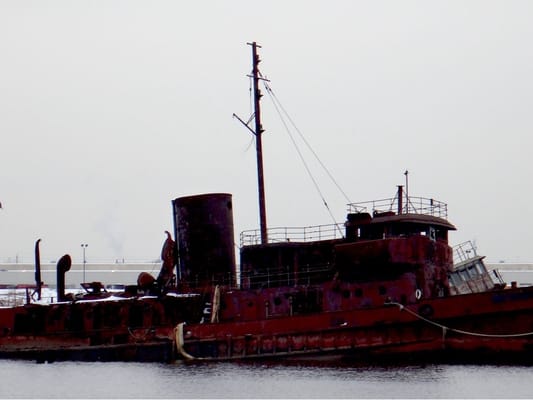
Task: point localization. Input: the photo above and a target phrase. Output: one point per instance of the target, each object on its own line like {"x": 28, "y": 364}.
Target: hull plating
{"x": 495, "y": 324}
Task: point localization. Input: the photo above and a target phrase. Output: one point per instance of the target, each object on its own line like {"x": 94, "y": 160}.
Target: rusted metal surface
{"x": 380, "y": 291}
{"x": 95, "y": 327}
{"x": 460, "y": 323}
{"x": 383, "y": 295}
{"x": 204, "y": 226}
{"x": 359, "y": 303}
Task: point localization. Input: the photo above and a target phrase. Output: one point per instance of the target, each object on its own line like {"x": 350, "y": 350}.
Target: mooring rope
{"x": 178, "y": 332}
{"x": 446, "y": 328}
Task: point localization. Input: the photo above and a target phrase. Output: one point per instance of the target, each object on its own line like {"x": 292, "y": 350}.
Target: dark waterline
{"x": 22, "y": 379}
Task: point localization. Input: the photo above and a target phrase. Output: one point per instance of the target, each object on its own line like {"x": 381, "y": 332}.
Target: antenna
{"x": 406, "y": 173}
{"x": 258, "y": 131}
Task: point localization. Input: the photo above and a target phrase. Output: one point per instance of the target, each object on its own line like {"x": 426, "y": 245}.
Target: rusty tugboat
{"x": 384, "y": 287}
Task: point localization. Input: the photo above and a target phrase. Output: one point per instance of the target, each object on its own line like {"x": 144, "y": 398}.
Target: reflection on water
{"x": 23, "y": 379}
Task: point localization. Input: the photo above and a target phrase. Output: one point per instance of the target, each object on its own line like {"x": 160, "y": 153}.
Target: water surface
{"x": 23, "y": 379}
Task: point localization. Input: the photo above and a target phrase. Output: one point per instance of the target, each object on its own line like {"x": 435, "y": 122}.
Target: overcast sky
{"x": 111, "y": 109}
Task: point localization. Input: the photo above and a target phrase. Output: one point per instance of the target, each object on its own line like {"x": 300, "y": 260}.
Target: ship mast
{"x": 258, "y": 142}
{"x": 258, "y": 131}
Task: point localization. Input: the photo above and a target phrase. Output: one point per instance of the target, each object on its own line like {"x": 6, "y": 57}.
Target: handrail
{"x": 293, "y": 234}
{"x": 308, "y": 276}
{"x": 463, "y": 252}
{"x": 414, "y": 205}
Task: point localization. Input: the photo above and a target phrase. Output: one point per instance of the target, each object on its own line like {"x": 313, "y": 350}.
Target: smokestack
{"x": 204, "y": 226}
{"x": 400, "y": 199}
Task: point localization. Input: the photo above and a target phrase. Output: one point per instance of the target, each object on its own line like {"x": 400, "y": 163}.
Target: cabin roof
{"x": 420, "y": 219}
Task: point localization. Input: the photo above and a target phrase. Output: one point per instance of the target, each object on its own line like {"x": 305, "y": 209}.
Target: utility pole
{"x": 84, "y": 246}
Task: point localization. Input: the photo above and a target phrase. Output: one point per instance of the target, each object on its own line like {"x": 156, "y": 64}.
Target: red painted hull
{"x": 498, "y": 324}
{"x": 137, "y": 329}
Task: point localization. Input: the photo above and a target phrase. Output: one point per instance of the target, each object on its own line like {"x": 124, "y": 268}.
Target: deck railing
{"x": 294, "y": 234}
{"x": 413, "y": 205}
{"x": 463, "y": 252}
{"x": 307, "y": 275}
{"x": 12, "y": 297}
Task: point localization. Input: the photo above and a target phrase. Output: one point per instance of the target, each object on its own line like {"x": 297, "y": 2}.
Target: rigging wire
{"x": 252, "y": 140}
{"x": 269, "y": 91}
{"x": 250, "y": 82}
{"x": 274, "y": 97}
{"x": 252, "y": 113}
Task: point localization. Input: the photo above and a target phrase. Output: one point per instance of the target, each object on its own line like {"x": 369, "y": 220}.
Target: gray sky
{"x": 110, "y": 109}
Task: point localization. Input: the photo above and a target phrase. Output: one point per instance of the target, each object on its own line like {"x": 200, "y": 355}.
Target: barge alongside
{"x": 381, "y": 285}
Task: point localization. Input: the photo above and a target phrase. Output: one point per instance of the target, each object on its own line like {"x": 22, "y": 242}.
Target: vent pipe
{"x": 63, "y": 265}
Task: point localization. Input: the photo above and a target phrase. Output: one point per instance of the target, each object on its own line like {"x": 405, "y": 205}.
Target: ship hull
{"x": 495, "y": 326}
{"x": 100, "y": 330}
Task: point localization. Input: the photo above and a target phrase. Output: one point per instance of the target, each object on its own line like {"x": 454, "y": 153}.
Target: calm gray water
{"x": 22, "y": 379}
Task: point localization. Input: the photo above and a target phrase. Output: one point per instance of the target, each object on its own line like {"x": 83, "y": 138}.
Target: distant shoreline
{"x": 154, "y": 265}
{"x": 127, "y": 273}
